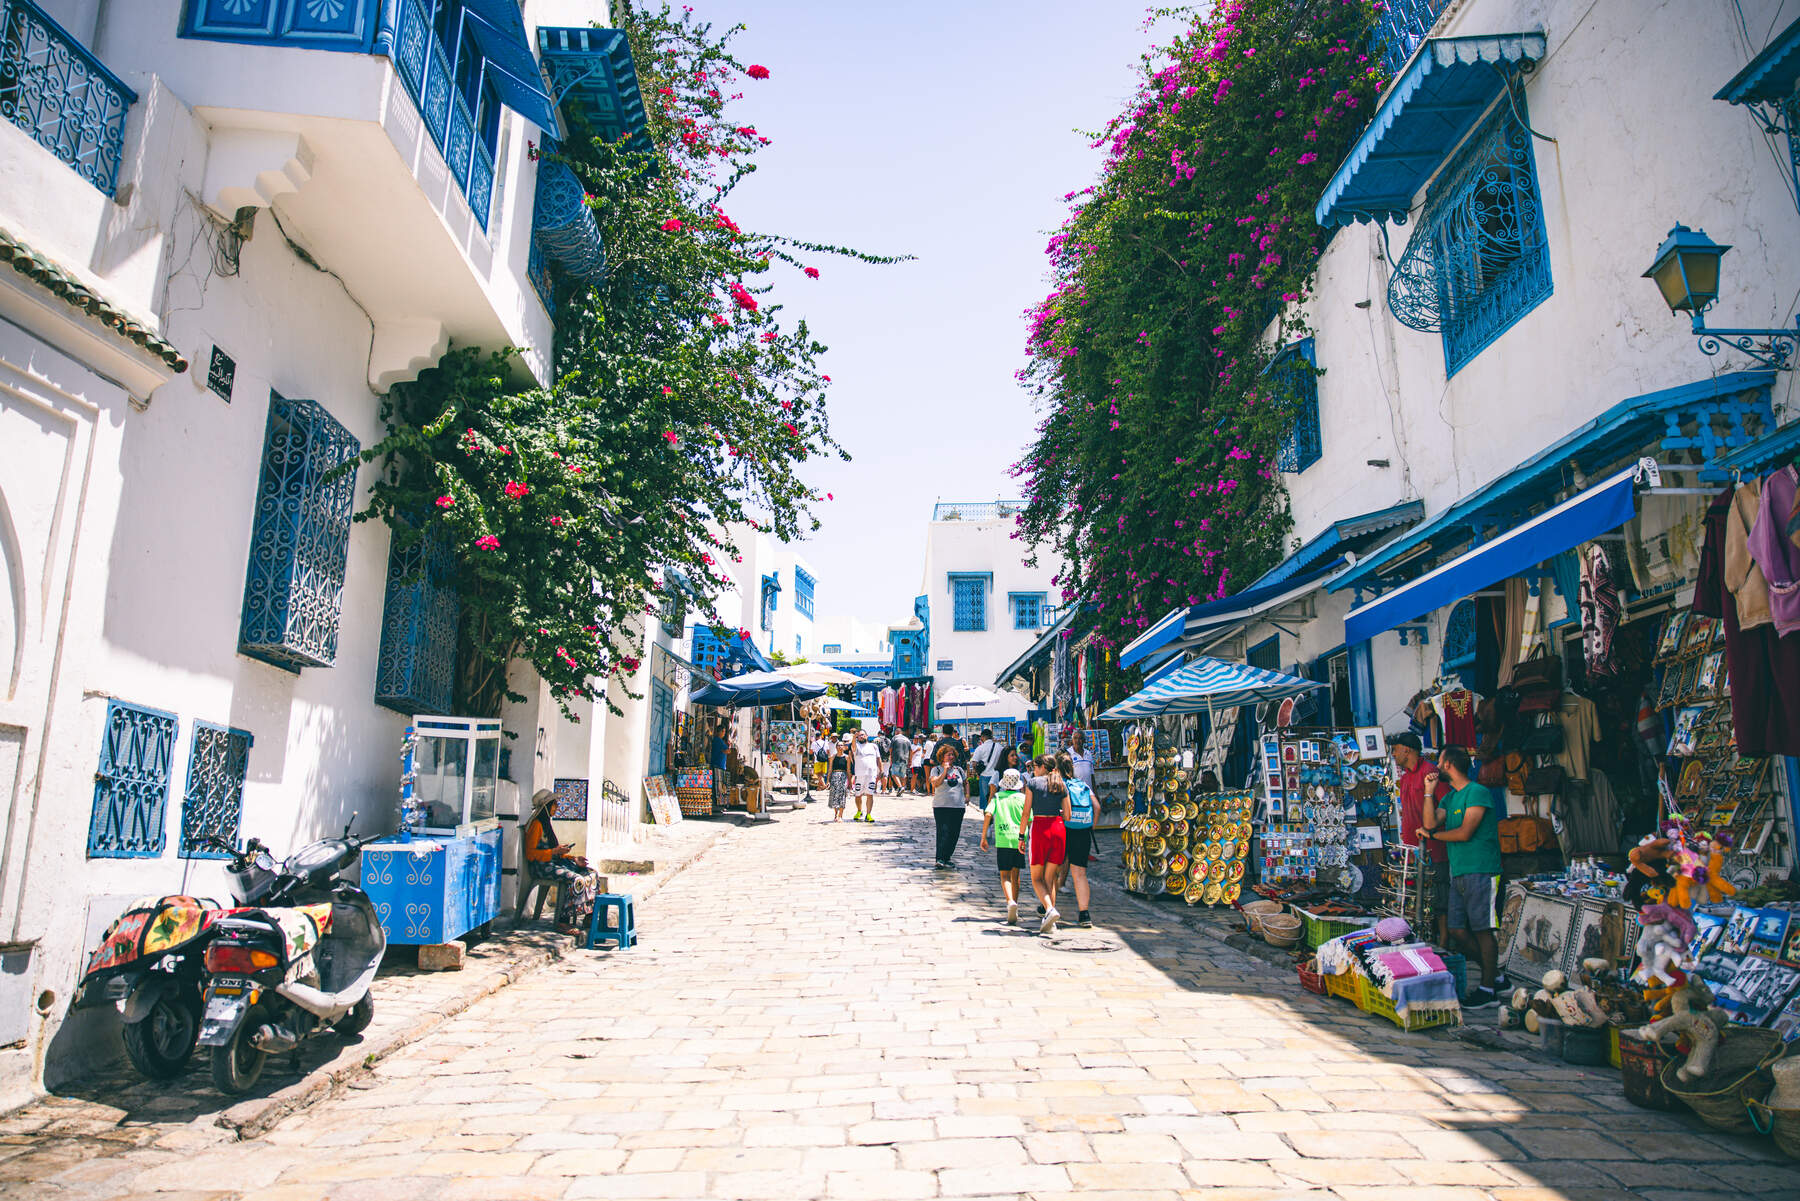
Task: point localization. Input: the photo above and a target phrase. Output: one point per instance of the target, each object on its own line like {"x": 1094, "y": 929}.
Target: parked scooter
{"x": 299, "y": 959}
{"x": 149, "y": 964}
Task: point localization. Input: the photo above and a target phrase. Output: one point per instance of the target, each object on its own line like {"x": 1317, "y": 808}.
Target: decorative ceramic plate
{"x": 1199, "y": 869}
{"x": 1213, "y": 893}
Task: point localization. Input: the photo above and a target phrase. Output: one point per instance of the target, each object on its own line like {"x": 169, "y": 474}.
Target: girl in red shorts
{"x": 1049, "y": 810}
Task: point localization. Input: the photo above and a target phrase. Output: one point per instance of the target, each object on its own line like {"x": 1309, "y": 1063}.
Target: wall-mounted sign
{"x": 946, "y": 665}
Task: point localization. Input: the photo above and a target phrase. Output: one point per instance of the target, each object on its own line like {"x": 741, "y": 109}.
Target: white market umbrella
{"x": 816, "y": 673}
{"x": 966, "y": 696}
{"x": 832, "y": 702}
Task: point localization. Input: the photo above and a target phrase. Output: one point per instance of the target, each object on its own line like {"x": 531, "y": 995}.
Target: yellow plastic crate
{"x": 1347, "y": 986}
{"x": 1373, "y": 1000}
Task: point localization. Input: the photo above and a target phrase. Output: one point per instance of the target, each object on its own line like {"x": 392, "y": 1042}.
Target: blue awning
{"x": 1209, "y": 684}
{"x": 1604, "y": 507}
{"x": 500, "y": 32}
{"x": 594, "y": 74}
{"x": 1771, "y": 75}
{"x": 1773, "y": 450}
{"x": 1425, "y": 115}
{"x": 1352, "y": 533}
{"x": 1626, "y": 429}
{"x": 1174, "y": 664}
{"x": 1190, "y": 622}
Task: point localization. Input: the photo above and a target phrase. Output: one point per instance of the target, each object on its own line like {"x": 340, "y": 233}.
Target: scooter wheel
{"x": 238, "y": 1065}
{"x": 160, "y": 1044}
{"x": 357, "y": 1020}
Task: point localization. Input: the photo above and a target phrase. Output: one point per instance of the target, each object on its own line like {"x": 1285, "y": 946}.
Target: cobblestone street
{"x": 814, "y": 1012}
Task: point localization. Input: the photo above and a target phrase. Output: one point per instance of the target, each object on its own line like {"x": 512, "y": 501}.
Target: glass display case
{"x": 452, "y": 780}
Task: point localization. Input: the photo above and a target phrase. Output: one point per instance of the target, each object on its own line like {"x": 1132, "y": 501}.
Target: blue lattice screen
{"x": 417, "y": 669}
{"x": 218, "y": 761}
{"x": 803, "y": 591}
{"x": 131, "y": 785}
{"x": 969, "y": 602}
{"x": 1293, "y": 371}
{"x": 294, "y": 589}
{"x": 1400, "y": 28}
{"x": 1459, "y": 640}
{"x": 1028, "y": 610}
{"x": 708, "y": 650}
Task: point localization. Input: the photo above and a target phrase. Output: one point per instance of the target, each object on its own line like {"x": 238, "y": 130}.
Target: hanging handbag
{"x": 1518, "y": 767}
{"x": 1538, "y": 681}
{"x": 1544, "y": 740}
{"x": 1544, "y": 781}
{"x": 1492, "y": 774}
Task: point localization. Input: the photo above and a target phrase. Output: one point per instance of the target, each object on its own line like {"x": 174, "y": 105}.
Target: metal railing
{"x": 984, "y": 510}
{"x": 1400, "y": 28}
{"x": 425, "y": 69}
{"x": 60, "y": 94}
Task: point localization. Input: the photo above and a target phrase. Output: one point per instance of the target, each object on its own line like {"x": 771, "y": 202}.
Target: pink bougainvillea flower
{"x": 826, "y": 378}
{"x": 668, "y": 391}
{"x": 444, "y": 502}
{"x": 742, "y": 296}
{"x": 556, "y": 521}
{"x": 828, "y": 496}
{"x": 672, "y": 225}
{"x": 718, "y": 318}
{"x": 503, "y": 450}
{"x": 812, "y": 272}
{"x": 768, "y": 336}
{"x": 743, "y": 635}
{"x": 488, "y": 542}
{"x": 670, "y": 437}
{"x": 629, "y": 664}
{"x": 757, "y": 72}
{"x": 515, "y": 489}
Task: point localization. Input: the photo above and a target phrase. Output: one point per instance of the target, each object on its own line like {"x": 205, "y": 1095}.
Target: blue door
{"x": 662, "y": 724}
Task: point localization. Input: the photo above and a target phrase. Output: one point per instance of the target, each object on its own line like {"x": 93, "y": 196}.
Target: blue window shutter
{"x": 416, "y": 672}
{"x": 294, "y": 590}
{"x": 803, "y": 591}
{"x": 218, "y": 762}
{"x": 131, "y": 784}
{"x": 1295, "y": 374}
{"x": 1362, "y": 684}
{"x": 969, "y": 600}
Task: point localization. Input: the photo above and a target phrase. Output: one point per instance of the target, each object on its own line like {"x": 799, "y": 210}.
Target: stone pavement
{"x": 814, "y": 1012}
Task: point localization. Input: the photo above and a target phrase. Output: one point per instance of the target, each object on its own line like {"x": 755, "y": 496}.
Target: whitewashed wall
{"x": 980, "y": 546}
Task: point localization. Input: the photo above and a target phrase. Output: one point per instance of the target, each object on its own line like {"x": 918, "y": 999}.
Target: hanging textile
{"x": 1599, "y": 612}
{"x": 1742, "y": 576}
{"x": 1764, "y": 669}
{"x": 1774, "y": 552}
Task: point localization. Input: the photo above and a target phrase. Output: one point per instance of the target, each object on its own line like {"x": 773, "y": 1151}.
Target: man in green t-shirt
{"x": 1468, "y": 821}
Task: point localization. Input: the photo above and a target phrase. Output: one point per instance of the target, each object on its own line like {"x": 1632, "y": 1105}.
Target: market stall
{"x": 780, "y": 744}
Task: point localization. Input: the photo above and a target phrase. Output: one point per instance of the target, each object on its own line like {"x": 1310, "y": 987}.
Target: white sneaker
{"x": 1048, "y": 925}
{"x": 1012, "y": 913}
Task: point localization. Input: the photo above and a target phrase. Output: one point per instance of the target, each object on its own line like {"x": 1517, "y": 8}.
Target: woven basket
{"x": 1281, "y": 929}
{"x": 1737, "y": 1077}
{"x": 1784, "y": 1124}
{"x": 1255, "y": 911}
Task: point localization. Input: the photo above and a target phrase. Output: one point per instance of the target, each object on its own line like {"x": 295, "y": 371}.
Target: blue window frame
{"x": 213, "y": 803}
{"x": 968, "y": 594}
{"x": 294, "y": 590}
{"x": 1028, "y": 609}
{"x": 803, "y": 591}
{"x": 1295, "y": 373}
{"x": 832, "y": 648}
{"x": 662, "y": 723}
{"x": 416, "y": 671}
{"x": 1479, "y": 258}
{"x": 771, "y": 590}
{"x": 131, "y": 785}
{"x": 708, "y": 649}
{"x": 797, "y": 649}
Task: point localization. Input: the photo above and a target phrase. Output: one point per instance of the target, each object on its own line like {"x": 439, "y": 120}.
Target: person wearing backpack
{"x": 1005, "y": 814}
{"x": 1078, "y": 835}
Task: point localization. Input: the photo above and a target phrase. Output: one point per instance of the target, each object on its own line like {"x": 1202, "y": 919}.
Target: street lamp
{"x": 1686, "y": 272}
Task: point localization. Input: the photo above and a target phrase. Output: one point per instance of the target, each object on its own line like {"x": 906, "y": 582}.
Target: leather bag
{"x": 1544, "y": 781}
{"x": 1492, "y": 774}
{"x": 1544, "y": 740}
{"x": 1518, "y": 768}
{"x": 1523, "y": 835}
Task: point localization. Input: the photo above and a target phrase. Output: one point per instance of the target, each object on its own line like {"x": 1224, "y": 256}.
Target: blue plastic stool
{"x": 624, "y": 933}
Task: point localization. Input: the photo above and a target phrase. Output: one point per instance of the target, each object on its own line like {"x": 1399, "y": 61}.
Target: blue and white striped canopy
{"x": 1210, "y": 684}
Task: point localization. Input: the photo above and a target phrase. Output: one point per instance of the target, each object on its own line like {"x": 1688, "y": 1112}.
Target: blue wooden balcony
{"x": 64, "y": 97}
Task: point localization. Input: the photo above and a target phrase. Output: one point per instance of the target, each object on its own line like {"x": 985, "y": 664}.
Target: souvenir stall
{"x": 439, "y": 877}
{"x": 1180, "y": 838}
{"x": 780, "y": 744}
{"x": 1326, "y": 796}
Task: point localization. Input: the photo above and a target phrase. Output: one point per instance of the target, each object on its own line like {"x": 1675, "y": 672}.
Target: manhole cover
{"x": 1091, "y": 942}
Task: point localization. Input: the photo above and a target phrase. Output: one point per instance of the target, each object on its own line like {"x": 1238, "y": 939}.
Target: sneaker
{"x": 1480, "y": 998}
{"x": 1012, "y": 913}
{"x": 941, "y": 866}
{"x": 1048, "y": 925}
{"x": 1084, "y": 921}
{"x": 1040, "y": 911}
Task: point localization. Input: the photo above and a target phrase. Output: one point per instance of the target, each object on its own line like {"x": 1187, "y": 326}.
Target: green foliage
{"x": 682, "y": 406}
{"x": 1153, "y": 473}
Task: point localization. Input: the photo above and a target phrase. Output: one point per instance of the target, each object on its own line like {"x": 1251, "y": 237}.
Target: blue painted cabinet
{"x": 431, "y": 890}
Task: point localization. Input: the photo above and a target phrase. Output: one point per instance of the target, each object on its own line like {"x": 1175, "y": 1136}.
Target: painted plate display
{"x": 1213, "y": 893}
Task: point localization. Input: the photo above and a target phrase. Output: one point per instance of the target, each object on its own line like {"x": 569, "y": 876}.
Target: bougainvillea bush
{"x": 683, "y": 405}
{"x": 1153, "y": 473}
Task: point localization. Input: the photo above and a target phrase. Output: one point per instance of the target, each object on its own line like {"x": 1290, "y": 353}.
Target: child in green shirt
{"x": 1005, "y": 813}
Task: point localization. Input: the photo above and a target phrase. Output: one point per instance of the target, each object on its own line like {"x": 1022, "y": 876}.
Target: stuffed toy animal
{"x": 1662, "y": 947}
{"x": 1693, "y": 1017}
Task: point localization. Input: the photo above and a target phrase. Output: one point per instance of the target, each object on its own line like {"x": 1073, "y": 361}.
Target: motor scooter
{"x": 149, "y": 964}
{"x": 298, "y": 959}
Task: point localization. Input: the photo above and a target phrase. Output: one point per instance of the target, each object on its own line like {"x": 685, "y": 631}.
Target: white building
{"x": 232, "y": 225}
{"x": 841, "y": 636}
{"x": 1489, "y": 348}
{"x": 984, "y": 604}
{"x": 773, "y": 593}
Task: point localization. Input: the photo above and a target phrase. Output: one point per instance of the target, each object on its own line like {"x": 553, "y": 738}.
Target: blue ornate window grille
{"x": 771, "y": 590}
{"x": 968, "y": 594}
{"x": 708, "y": 650}
{"x": 218, "y": 762}
{"x": 537, "y": 270}
{"x": 1400, "y": 28}
{"x": 1295, "y": 374}
{"x": 832, "y": 648}
{"x": 1478, "y": 259}
{"x": 131, "y": 785}
{"x": 1028, "y": 610}
{"x": 416, "y": 672}
{"x": 294, "y": 589}
{"x": 1459, "y": 640}
{"x": 564, "y": 225}
{"x": 803, "y": 591}
{"x": 54, "y": 90}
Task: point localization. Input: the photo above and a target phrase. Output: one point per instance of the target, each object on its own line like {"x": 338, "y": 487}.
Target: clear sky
{"x": 942, "y": 129}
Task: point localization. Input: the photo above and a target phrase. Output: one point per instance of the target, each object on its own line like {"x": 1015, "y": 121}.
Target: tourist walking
{"x": 918, "y": 767}
{"x": 1005, "y": 814}
{"x": 838, "y": 779}
{"x": 899, "y": 760}
{"x": 1078, "y": 835}
{"x": 823, "y": 747}
{"x": 865, "y": 763}
{"x": 985, "y": 759}
{"x": 1049, "y": 809}
{"x": 949, "y": 796}
{"x": 1470, "y": 824}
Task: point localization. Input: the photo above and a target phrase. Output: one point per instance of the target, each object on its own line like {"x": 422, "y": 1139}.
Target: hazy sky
{"x": 943, "y": 130}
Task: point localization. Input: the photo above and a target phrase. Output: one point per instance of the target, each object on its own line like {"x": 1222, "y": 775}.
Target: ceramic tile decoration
{"x": 571, "y": 800}
{"x": 1538, "y": 934}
